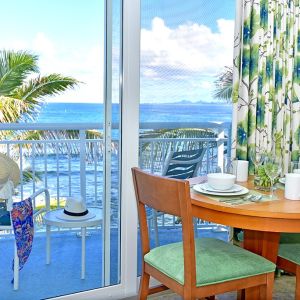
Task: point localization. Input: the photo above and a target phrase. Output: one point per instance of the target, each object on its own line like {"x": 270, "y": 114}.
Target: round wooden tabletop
{"x": 280, "y": 215}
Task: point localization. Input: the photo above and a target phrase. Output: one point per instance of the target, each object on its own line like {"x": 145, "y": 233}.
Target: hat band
{"x": 76, "y": 214}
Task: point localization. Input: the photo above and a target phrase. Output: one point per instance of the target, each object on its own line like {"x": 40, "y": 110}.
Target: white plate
{"x": 198, "y": 188}
{"x": 282, "y": 180}
{"x": 234, "y": 189}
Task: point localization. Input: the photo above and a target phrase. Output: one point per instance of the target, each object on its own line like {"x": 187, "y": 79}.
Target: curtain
{"x": 266, "y": 79}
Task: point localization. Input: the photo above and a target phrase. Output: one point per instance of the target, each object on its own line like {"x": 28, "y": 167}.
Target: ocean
{"x": 91, "y": 112}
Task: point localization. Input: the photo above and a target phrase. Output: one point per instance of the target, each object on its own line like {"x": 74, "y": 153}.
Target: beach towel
{"x": 22, "y": 219}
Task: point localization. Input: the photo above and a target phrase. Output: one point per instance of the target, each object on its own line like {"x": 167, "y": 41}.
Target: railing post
{"x": 82, "y": 138}
{"x": 220, "y": 145}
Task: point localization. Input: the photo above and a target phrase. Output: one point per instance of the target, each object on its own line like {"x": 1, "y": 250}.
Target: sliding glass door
{"x": 75, "y": 134}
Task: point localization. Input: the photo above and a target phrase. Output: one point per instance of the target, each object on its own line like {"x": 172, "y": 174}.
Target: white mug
{"x": 292, "y": 186}
{"x": 240, "y": 170}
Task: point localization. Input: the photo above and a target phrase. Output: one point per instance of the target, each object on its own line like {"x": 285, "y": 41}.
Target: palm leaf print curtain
{"x": 266, "y": 78}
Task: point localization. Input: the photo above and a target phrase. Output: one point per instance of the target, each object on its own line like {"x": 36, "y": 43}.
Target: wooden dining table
{"x": 262, "y": 222}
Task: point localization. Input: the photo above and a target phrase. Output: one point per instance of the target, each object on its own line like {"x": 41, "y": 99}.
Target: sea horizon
{"x": 68, "y": 112}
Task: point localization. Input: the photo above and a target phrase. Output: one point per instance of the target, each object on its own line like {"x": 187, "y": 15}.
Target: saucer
{"x": 235, "y": 188}
{"x": 199, "y": 188}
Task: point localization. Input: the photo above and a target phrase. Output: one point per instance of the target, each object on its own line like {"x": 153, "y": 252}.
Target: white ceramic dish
{"x": 234, "y": 189}
{"x": 221, "y": 181}
{"x": 198, "y": 188}
{"x": 282, "y": 180}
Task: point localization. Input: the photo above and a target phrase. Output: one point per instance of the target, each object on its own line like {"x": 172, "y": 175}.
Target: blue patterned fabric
{"x": 22, "y": 219}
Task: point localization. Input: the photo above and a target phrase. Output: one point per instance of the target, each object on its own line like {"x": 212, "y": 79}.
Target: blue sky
{"x": 184, "y": 44}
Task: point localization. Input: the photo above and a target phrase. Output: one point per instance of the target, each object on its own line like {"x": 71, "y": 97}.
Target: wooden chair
{"x": 194, "y": 268}
{"x": 289, "y": 257}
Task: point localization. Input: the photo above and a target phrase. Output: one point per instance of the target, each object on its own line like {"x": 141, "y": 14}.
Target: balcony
{"x": 74, "y": 166}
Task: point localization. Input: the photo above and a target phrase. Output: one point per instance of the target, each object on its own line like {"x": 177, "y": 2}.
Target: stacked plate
{"x": 235, "y": 190}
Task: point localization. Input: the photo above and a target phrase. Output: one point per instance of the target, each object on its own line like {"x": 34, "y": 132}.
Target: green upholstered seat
{"x": 289, "y": 238}
{"x": 290, "y": 252}
{"x": 4, "y": 214}
{"x": 216, "y": 262}
{"x": 5, "y": 220}
{"x": 289, "y": 247}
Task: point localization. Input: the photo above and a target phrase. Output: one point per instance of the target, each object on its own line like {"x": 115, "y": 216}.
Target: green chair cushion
{"x": 216, "y": 262}
{"x": 290, "y": 252}
{"x": 290, "y": 238}
{"x": 4, "y": 214}
{"x": 5, "y": 219}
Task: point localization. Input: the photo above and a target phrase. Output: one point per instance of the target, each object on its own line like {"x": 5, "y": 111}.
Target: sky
{"x": 184, "y": 44}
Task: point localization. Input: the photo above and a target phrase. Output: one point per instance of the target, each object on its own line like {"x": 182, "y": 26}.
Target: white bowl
{"x": 221, "y": 181}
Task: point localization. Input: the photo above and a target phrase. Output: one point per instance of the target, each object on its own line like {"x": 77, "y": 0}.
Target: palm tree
{"x": 223, "y": 85}
{"x": 23, "y": 91}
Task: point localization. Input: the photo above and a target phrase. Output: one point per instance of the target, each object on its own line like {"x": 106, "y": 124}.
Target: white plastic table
{"x": 51, "y": 219}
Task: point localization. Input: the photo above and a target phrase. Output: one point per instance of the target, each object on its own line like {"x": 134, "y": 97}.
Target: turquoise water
{"x": 90, "y": 112}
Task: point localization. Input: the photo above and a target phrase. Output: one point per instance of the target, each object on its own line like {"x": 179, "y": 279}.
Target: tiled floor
{"x": 283, "y": 290}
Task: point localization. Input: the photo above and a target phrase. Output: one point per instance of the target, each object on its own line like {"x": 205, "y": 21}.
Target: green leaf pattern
{"x": 266, "y": 75}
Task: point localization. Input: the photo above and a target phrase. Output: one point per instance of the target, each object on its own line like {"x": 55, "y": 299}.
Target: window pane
{"x": 59, "y": 142}
{"x": 185, "y": 47}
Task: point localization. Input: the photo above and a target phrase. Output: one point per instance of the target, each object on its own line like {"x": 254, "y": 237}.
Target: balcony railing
{"x": 74, "y": 166}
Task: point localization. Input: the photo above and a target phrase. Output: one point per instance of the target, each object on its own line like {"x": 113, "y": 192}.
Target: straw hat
{"x": 9, "y": 169}
{"x": 75, "y": 210}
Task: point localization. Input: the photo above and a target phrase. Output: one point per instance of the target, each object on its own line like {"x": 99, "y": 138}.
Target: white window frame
{"x": 130, "y": 98}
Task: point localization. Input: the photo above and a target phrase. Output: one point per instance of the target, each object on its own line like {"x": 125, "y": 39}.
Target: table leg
{"x": 48, "y": 246}
{"x": 83, "y": 234}
{"x": 264, "y": 244}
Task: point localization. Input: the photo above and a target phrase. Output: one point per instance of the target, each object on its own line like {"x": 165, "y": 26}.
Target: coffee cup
{"x": 292, "y": 186}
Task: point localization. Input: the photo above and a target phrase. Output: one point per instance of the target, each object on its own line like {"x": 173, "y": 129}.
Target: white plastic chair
{"x": 9, "y": 227}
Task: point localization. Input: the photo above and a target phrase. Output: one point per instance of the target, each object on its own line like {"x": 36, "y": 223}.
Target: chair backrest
{"x": 183, "y": 164}
{"x": 171, "y": 196}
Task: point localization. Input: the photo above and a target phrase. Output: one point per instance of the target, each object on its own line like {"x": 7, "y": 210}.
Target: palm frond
{"x": 42, "y": 86}
{"x": 15, "y": 66}
{"x": 33, "y": 91}
{"x": 223, "y": 85}
{"x": 93, "y": 150}
{"x": 29, "y": 176}
{"x": 11, "y": 109}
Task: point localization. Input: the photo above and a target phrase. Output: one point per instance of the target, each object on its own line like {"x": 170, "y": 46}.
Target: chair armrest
{"x": 47, "y": 199}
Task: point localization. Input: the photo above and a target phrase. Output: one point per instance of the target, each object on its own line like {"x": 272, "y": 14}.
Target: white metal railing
{"x": 154, "y": 151}
{"x": 74, "y": 166}
{"x": 63, "y": 164}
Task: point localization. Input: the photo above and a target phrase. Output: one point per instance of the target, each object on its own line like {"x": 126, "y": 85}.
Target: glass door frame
{"x": 129, "y": 99}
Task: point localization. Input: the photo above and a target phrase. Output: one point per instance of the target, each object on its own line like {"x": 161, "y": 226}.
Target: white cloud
{"x": 206, "y": 84}
{"x": 43, "y": 45}
{"x": 189, "y": 48}
{"x": 176, "y": 63}
{"x": 84, "y": 63}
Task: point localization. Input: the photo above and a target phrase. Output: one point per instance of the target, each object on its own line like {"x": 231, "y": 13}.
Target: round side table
{"x": 51, "y": 219}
